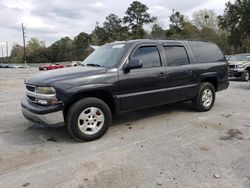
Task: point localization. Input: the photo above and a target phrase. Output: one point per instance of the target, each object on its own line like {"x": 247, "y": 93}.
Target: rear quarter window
{"x": 205, "y": 52}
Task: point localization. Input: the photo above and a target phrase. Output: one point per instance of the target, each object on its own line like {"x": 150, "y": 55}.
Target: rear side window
{"x": 176, "y": 55}
{"x": 206, "y": 52}
{"x": 149, "y": 55}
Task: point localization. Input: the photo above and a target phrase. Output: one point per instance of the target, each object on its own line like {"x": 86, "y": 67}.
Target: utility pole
{"x": 24, "y": 48}
{"x": 2, "y": 54}
{"x": 7, "y": 52}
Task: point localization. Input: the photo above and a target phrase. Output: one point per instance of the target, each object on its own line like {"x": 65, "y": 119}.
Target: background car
{"x": 51, "y": 66}
{"x": 239, "y": 66}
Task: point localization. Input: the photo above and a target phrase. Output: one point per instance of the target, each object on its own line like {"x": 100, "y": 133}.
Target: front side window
{"x": 149, "y": 56}
{"x": 176, "y": 55}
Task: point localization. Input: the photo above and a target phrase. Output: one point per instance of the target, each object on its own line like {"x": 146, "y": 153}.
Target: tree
{"x": 16, "y": 54}
{"x": 62, "y": 50}
{"x": 158, "y": 32}
{"x": 236, "y": 20}
{"x": 114, "y": 29}
{"x": 189, "y": 31}
{"x": 205, "y": 19}
{"x": 36, "y": 51}
{"x": 136, "y": 17}
{"x": 81, "y": 44}
{"x": 176, "y": 24}
{"x": 99, "y": 36}
{"x": 177, "y": 20}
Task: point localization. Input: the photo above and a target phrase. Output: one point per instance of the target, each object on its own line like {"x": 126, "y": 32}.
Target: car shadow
{"x": 35, "y": 134}
{"x": 127, "y": 117}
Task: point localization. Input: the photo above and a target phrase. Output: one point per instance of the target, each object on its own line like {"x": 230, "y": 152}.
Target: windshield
{"x": 106, "y": 56}
{"x": 240, "y": 58}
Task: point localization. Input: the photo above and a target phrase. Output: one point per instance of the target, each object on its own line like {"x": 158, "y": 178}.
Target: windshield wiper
{"x": 93, "y": 65}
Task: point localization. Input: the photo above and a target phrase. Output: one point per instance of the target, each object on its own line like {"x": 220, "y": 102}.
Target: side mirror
{"x": 133, "y": 64}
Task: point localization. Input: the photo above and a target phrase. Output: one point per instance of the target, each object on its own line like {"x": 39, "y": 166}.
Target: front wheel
{"x": 88, "y": 119}
{"x": 246, "y": 75}
{"x": 205, "y": 97}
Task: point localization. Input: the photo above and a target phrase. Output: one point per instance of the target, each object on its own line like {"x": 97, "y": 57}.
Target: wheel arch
{"x": 211, "y": 79}
{"x": 101, "y": 94}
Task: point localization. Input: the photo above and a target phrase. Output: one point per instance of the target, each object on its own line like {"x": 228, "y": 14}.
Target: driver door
{"x": 142, "y": 87}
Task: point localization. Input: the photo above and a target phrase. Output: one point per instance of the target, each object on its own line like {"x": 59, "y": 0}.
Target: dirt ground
{"x": 166, "y": 146}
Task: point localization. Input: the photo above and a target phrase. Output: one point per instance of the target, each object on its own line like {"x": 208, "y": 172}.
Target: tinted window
{"x": 176, "y": 55}
{"x": 149, "y": 55}
{"x": 206, "y": 52}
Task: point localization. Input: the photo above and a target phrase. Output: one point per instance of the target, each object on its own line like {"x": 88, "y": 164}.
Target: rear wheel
{"x": 205, "y": 97}
{"x": 88, "y": 119}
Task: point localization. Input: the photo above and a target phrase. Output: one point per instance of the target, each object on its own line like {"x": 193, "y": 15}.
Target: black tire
{"x": 77, "y": 108}
{"x": 246, "y": 75}
{"x": 197, "y": 101}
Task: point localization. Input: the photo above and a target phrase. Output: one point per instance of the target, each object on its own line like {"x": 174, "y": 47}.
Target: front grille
{"x": 31, "y": 99}
{"x": 231, "y": 66}
{"x": 31, "y": 88}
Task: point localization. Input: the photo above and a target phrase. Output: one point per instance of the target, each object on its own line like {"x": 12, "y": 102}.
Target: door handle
{"x": 162, "y": 75}
{"x": 190, "y": 72}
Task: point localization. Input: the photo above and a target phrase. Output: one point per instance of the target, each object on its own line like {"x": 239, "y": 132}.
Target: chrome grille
{"x": 31, "y": 88}
{"x": 31, "y": 99}
{"x": 231, "y": 66}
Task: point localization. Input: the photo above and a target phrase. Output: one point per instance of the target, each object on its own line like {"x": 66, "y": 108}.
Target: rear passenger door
{"x": 180, "y": 78}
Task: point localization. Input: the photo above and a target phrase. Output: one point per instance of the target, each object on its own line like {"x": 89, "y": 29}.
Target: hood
{"x": 49, "y": 78}
{"x": 237, "y": 62}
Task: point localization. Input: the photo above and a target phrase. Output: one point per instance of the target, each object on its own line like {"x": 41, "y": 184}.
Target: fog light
{"x": 42, "y": 102}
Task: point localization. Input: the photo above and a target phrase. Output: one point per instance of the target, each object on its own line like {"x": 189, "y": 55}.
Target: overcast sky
{"x": 50, "y": 20}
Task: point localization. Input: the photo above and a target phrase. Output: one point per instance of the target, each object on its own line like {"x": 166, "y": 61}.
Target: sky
{"x": 50, "y": 20}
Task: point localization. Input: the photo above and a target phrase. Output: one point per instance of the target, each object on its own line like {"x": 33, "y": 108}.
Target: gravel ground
{"x": 167, "y": 146}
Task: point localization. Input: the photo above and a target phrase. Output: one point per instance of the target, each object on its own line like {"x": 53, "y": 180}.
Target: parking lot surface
{"x": 166, "y": 146}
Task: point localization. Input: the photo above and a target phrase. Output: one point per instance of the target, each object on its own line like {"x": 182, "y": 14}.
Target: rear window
{"x": 176, "y": 55}
{"x": 206, "y": 52}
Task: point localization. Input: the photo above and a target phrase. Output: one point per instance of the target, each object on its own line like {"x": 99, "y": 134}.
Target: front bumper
{"x": 236, "y": 72}
{"x": 51, "y": 116}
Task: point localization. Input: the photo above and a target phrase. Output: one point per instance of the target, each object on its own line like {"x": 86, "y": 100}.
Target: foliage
{"x": 205, "y": 19}
{"x": 231, "y": 31}
{"x": 236, "y": 21}
{"x": 158, "y": 32}
{"x": 36, "y": 51}
{"x": 114, "y": 28}
{"x": 81, "y": 45}
{"x": 99, "y": 35}
{"x": 16, "y": 55}
{"x": 177, "y": 21}
{"x": 61, "y": 50}
{"x": 136, "y": 17}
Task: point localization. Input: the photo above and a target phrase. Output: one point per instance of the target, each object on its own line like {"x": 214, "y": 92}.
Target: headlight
{"x": 240, "y": 66}
{"x": 46, "y": 95}
{"x": 46, "y": 90}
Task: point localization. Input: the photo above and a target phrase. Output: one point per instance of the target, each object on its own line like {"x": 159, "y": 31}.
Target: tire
{"x": 246, "y": 75}
{"x": 88, "y": 119}
{"x": 207, "y": 91}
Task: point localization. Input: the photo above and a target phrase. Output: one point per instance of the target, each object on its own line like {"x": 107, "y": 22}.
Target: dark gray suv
{"x": 125, "y": 76}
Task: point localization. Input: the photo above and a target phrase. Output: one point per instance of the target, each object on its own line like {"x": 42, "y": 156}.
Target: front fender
{"x": 90, "y": 87}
